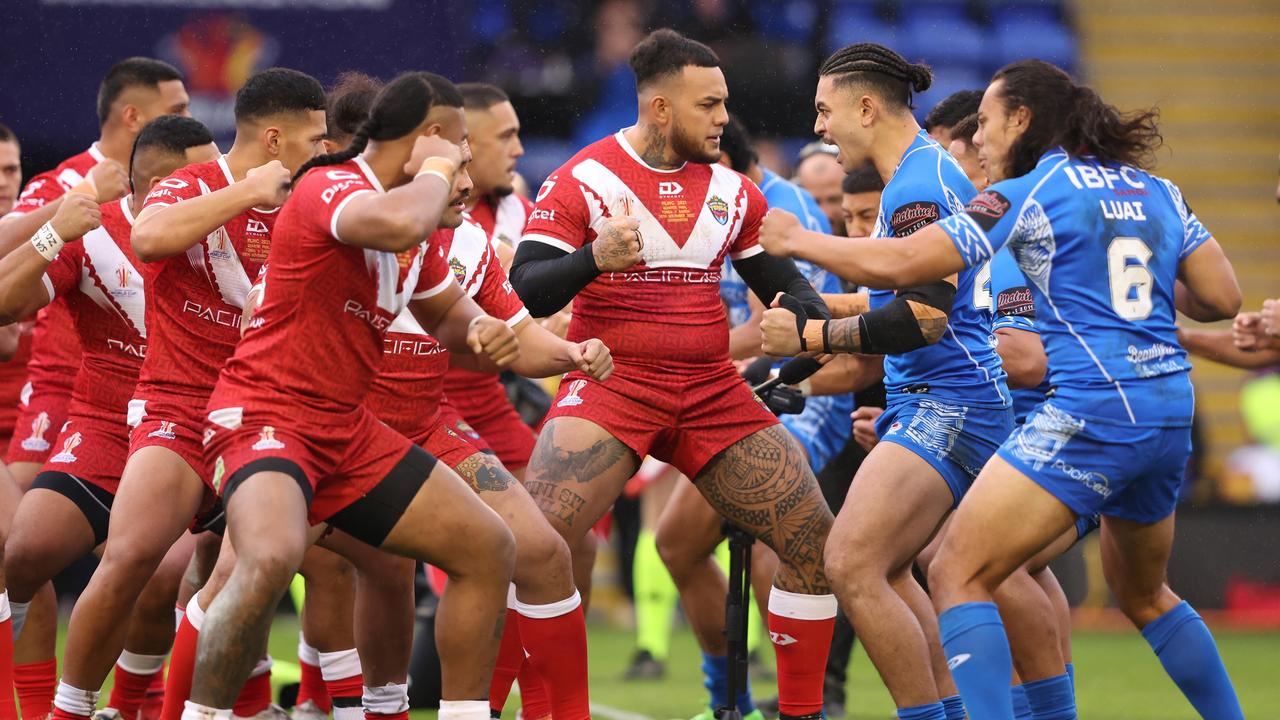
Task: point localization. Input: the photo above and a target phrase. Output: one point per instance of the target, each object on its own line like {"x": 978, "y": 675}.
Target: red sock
{"x": 255, "y": 696}
{"x": 134, "y": 674}
{"x": 311, "y": 687}
{"x": 34, "y": 683}
{"x": 150, "y": 709}
{"x": 60, "y": 714}
{"x": 8, "y": 710}
{"x": 510, "y": 658}
{"x": 800, "y": 626}
{"x": 534, "y": 702}
{"x": 345, "y": 691}
{"x": 182, "y": 663}
{"x": 555, "y": 638}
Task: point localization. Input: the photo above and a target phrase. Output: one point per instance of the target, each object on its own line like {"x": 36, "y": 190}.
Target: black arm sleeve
{"x": 547, "y": 278}
{"x": 893, "y": 329}
{"x": 767, "y": 276}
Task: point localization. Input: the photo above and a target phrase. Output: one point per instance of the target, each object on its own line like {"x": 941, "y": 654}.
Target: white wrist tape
{"x": 47, "y": 242}
{"x": 437, "y": 173}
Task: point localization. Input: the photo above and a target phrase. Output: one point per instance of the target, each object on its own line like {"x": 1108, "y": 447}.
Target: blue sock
{"x": 978, "y": 655}
{"x": 954, "y": 707}
{"x": 715, "y": 670}
{"x": 1051, "y": 698}
{"x": 1190, "y": 657}
{"x": 932, "y": 711}
{"x": 1021, "y": 708}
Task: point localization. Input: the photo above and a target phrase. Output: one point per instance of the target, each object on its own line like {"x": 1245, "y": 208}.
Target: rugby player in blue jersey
{"x": 1109, "y": 251}
{"x": 948, "y": 407}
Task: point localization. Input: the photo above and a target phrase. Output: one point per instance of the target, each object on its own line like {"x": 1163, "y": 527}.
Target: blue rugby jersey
{"x": 1013, "y": 307}
{"x": 1100, "y": 247}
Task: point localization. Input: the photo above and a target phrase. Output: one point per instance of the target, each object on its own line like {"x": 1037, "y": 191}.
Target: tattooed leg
{"x": 267, "y": 522}
{"x": 576, "y": 473}
{"x": 543, "y": 570}
{"x": 763, "y": 485}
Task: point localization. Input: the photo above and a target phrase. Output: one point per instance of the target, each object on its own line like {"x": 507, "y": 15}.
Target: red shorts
{"x": 169, "y": 424}
{"x": 683, "y": 418}
{"x": 341, "y": 462}
{"x": 495, "y": 418}
{"x": 451, "y": 440}
{"x": 91, "y": 449}
{"x": 40, "y": 419}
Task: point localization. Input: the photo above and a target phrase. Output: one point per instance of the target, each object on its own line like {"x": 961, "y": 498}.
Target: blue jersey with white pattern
{"x": 1100, "y": 246}
{"x": 784, "y": 195}
{"x": 1013, "y": 307}
{"x": 963, "y": 366}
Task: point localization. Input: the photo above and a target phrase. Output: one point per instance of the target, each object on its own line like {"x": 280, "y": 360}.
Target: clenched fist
{"x": 864, "y": 426}
{"x": 77, "y": 214}
{"x": 491, "y": 337}
{"x": 109, "y": 181}
{"x": 593, "y": 358}
{"x": 617, "y": 245}
{"x": 777, "y": 232}
{"x": 1247, "y": 333}
{"x": 269, "y": 184}
{"x": 1270, "y": 317}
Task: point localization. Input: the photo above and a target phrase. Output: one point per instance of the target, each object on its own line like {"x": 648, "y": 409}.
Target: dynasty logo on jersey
{"x": 68, "y": 446}
{"x": 37, "y": 442}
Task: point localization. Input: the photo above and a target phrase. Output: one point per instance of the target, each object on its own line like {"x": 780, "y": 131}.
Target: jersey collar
{"x": 124, "y": 205}
{"x": 622, "y": 140}
{"x": 96, "y": 153}
{"x": 368, "y": 173}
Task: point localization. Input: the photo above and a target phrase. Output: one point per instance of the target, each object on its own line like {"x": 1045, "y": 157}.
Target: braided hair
{"x": 1074, "y": 117}
{"x": 886, "y": 72}
{"x": 398, "y": 109}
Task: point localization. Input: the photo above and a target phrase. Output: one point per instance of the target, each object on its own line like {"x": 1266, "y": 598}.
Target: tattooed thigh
{"x": 763, "y": 484}
{"x": 485, "y": 473}
{"x": 576, "y": 472}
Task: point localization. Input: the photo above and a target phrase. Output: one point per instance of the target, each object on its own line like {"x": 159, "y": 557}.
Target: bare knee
{"x": 1143, "y": 605}
{"x": 494, "y": 542}
{"x": 267, "y": 569}
{"x": 544, "y": 551}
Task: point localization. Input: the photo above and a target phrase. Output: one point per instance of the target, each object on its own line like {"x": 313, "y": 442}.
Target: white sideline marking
{"x": 612, "y": 713}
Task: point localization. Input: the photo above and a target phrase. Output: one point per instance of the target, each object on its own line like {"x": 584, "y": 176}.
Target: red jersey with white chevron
{"x": 406, "y": 393}
{"x": 504, "y": 218}
{"x": 667, "y": 309}
{"x": 98, "y": 279}
{"x": 316, "y": 340}
{"x": 194, "y": 299}
{"x": 55, "y": 349}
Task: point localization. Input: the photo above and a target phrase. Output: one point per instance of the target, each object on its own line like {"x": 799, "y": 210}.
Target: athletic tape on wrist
{"x": 47, "y": 242}
{"x": 437, "y": 173}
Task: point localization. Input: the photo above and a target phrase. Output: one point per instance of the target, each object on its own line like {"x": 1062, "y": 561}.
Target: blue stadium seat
{"x": 786, "y": 20}
{"x": 947, "y": 80}
{"x": 1015, "y": 37}
{"x": 941, "y": 34}
{"x": 852, "y": 22}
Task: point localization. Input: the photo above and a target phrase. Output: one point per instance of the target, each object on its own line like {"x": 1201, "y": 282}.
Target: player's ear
{"x": 660, "y": 107}
{"x": 272, "y": 139}
{"x": 132, "y": 117}
{"x": 867, "y": 110}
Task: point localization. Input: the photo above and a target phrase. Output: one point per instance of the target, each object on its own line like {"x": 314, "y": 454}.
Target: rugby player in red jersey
{"x": 201, "y": 238}
{"x": 289, "y": 441}
{"x": 15, "y": 340}
{"x": 132, "y": 93}
{"x": 636, "y": 226}
{"x": 65, "y": 513}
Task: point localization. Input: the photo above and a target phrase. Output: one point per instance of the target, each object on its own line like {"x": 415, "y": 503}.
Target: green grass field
{"x": 1118, "y": 678}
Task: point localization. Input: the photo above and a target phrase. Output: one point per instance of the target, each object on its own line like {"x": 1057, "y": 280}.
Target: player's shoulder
{"x": 328, "y": 182}
{"x": 606, "y": 151}
{"x": 515, "y": 201}
{"x": 82, "y": 162}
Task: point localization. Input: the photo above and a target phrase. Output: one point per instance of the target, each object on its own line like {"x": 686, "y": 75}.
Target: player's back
{"x": 666, "y": 310}
{"x": 195, "y": 299}
{"x": 928, "y": 186}
{"x": 1100, "y": 246}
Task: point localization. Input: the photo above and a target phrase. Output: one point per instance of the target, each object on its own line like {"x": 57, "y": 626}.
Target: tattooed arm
{"x": 547, "y": 278}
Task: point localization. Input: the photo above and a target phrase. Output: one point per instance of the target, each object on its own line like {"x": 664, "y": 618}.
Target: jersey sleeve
{"x": 1011, "y": 302}
{"x": 752, "y": 207}
{"x": 987, "y": 222}
{"x": 435, "y": 275}
{"x": 496, "y": 296}
{"x": 330, "y": 191}
{"x": 560, "y": 217}
{"x": 1194, "y": 233}
{"x": 39, "y": 191}
{"x": 63, "y": 274}
{"x": 180, "y": 185}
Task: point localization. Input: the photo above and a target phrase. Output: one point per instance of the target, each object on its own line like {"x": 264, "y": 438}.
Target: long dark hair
{"x": 1074, "y": 117}
{"x": 399, "y": 107}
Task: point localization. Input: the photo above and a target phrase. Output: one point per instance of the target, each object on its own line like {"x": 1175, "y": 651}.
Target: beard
{"x": 692, "y": 149}
{"x": 502, "y": 191}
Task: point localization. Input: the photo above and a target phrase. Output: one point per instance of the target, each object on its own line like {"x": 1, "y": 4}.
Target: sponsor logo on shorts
{"x": 267, "y": 439}
{"x": 1095, "y": 481}
{"x": 164, "y": 432}
{"x": 780, "y": 638}
{"x": 36, "y": 442}
{"x": 719, "y": 209}
{"x": 219, "y": 470}
{"x": 68, "y": 446}
{"x": 574, "y": 397}
{"x": 466, "y": 429}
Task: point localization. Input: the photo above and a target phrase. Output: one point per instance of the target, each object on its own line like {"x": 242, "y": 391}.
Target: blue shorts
{"x": 1099, "y": 467}
{"x": 1086, "y": 524}
{"x": 957, "y": 440}
{"x": 823, "y": 428}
